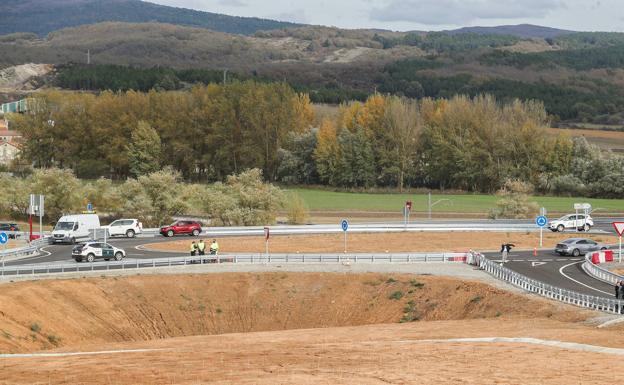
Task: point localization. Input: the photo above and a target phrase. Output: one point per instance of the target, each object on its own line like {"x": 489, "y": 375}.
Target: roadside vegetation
{"x": 207, "y": 133}
{"x": 243, "y": 199}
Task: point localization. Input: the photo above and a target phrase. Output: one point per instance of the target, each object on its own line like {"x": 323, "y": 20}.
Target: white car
{"x": 92, "y": 250}
{"x": 572, "y": 221}
{"x": 125, "y": 227}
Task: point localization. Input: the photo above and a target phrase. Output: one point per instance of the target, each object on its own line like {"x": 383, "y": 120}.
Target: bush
{"x": 397, "y": 295}
{"x": 297, "y": 210}
{"x": 514, "y": 202}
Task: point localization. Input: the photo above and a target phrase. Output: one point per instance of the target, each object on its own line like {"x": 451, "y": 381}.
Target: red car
{"x": 182, "y": 227}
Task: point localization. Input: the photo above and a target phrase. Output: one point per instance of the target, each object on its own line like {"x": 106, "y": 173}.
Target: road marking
{"x": 574, "y": 280}
{"x": 27, "y": 355}
{"x": 533, "y": 264}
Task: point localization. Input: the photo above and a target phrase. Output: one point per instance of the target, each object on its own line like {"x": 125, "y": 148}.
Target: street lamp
{"x": 436, "y": 202}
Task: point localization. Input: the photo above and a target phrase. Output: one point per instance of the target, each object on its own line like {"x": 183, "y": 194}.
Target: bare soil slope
{"x": 375, "y": 354}
{"x": 47, "y": 314}
{"x": 374, "y": 242}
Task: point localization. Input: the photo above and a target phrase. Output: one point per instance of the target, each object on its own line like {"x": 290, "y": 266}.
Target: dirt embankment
{"x": 70, "y": 313}
{"x": 376, "y": 242}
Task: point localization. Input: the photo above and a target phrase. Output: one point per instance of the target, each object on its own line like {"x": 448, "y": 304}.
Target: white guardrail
{"x": 567, "y": 296}
{"x": 48, "y": 268}
{"x": 30, "y": 249}
{"x": 600, "y": 273}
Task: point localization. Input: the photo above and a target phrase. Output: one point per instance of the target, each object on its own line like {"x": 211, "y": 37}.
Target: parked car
{"x": 91, "y": 251}
{"x": 10, "y": 227}
{"x": 182, "y": 227}
{"x": 125, "y": 227}
{"x": 578, "y": 246}
{"x": 572, "y": 221}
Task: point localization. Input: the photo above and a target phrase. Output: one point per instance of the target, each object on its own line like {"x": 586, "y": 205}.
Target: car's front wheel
{"x": 195, "y": 232}
{"x": 586, "y": 227}
{"x": 130, "y": 233}
{"x": 170, "y": 233}
{"x": 118, "y": 256}
{"x": 560, "y": 228}
{"x": 79, "y": 259}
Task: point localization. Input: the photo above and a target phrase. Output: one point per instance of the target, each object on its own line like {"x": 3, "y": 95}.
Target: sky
{"x": 405, "y": 15}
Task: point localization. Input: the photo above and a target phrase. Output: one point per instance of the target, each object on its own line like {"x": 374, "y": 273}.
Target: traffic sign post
{"x": 619, "y": 227}
{"x": 406, "y": 212}
{"x": 541, "y": 221}
{"x": 344, "y": 224}
{"x": 35, "y": 207}
{"x": 4, "y": 238}
{"x": 266, "y": 240}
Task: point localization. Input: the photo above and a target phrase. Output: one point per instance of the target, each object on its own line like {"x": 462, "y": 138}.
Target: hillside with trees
{"x": 578, "y": 76}
{"x": 44, "y": 16}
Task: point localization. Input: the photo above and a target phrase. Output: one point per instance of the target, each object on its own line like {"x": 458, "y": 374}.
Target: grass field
{"x": 320, "y": 200}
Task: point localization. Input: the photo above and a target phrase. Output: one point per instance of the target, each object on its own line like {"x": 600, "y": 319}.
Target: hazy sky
{"x": 583, "y": 15}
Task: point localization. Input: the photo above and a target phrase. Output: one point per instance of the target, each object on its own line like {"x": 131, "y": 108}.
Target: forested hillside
{"x": 578, "y": 76}
{"x": 44, "y": 16}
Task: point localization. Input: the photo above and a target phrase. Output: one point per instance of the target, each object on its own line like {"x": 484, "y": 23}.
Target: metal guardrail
{"x": 549, "y": 291}
{"x": 48, "y": 268}
{"x": 30, "y": 249}
{"x": 600, "y": 273}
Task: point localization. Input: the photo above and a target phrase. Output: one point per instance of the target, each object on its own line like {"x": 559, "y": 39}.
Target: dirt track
{"x": 374, "y": 242}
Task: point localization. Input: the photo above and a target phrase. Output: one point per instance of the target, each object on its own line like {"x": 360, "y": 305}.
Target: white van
{"x": 71, "y": 228}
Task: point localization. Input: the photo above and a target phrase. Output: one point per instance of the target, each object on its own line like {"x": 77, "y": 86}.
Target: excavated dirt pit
{"x": 303, "y": 328}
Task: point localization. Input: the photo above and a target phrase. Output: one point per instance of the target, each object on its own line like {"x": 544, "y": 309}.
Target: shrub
{"x": 397, "y": 295}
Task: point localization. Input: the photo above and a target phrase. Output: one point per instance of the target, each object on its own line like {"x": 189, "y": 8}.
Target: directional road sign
{"x": 619, "y": 227}
{"x": 89, "y": 206}
{"x": 541, "y": 221}
{"x": 4, "y": 238}
{"x": 344, "y": 224}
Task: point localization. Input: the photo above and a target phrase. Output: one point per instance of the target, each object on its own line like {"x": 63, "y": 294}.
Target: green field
{"x": 321, "y": 200}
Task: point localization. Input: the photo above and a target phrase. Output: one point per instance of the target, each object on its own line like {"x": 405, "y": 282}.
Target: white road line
{"x": 68, "y": 354}
{"x": 574, "y": 280}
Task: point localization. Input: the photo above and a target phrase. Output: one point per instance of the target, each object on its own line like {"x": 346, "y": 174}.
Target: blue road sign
{"x": 541, "y": 221}
{"x": 4, "y": 238}
{"x": 344, "y": 224}
{"x": 89, "y": 207}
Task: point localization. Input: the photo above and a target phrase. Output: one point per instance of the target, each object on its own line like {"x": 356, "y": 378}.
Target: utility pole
{"x": 225, "y": 76}
{"x": 88, "y": 56}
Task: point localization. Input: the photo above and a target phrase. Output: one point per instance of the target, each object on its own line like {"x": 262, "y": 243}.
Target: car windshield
{"x": 64, "y": 226}
{"x": 564, "y": 218}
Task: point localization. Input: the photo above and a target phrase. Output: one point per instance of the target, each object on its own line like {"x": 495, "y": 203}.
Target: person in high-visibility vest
{"x": 201, "y": 247}
{"x": 214, "y": 247}
{"x": 193, "y": 249}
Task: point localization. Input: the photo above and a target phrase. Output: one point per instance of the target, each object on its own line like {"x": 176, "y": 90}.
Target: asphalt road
{"x": 549, "y": 267}
{"x": 561, "y": 271}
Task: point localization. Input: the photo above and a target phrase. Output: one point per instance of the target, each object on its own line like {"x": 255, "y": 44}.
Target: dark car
{"x": 578, "y": 246}
{"x": 9, "y": 227}
{"x": 182, "y": 227}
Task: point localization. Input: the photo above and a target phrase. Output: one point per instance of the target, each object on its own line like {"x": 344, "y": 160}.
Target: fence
{"x": 600, "y": 273}
{"x": 48, "y": 268}
{"x": 567, "y": 296}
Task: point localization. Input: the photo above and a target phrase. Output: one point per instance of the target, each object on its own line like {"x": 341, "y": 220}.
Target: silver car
{"x": 578, "y": 246}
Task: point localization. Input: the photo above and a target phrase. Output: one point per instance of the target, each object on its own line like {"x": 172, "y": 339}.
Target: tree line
{"x": 154, "y": 198}
{"x": 210, "y": 132}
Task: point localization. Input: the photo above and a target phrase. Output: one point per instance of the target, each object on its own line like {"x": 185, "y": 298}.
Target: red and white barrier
{"x": 602, "y": 257}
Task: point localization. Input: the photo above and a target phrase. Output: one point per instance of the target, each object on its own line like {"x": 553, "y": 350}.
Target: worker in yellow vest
{"x": 193, "y": 248}
{"x": 214, "y": 247}
{"x": 201, "y": 247}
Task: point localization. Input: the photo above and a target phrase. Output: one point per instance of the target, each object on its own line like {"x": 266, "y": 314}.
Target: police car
{"x": 97, "y": 250}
